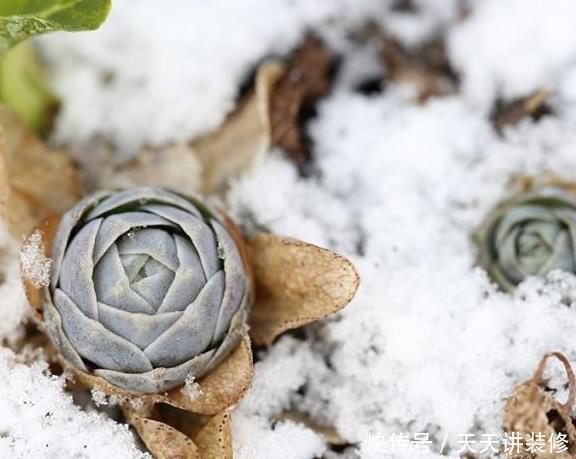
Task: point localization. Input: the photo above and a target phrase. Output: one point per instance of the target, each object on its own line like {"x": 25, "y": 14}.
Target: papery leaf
{"x": 35, "y": 182}
{"x": 162, "y": 440}
{"x": 214, "y": 440}
{"x": 20, "y": 19}
{"x": 244, "y": 136}
{"x": 296, "y": 284}
{"x": 221, "y": 388}
{"x": 307, "y": 78}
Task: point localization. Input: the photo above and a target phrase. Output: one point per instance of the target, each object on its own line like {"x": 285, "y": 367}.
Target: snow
{"x": 511, "y": 59}
{"x": 34, "y": 264}
{"x": 153, "y": 76}
{"x": 40, "y": 420}
{"x": 429, "y": 344}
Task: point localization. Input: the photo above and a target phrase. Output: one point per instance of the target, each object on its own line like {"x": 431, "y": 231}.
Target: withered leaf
{"x": 242, "y": 139}
{"x": 214, "y": 440}
{"x": 176, "y": 167}
{"x": 162, "y": 440}
{"x": 506, "y": 114}
{"x": 296, "y": 284}
{"x": 425, "y": 68}
{"x": 306, "y": 79}
{"x": 221, "y": 388}
{"x": 532, "y": 410}
{"x": 34, "y": 181}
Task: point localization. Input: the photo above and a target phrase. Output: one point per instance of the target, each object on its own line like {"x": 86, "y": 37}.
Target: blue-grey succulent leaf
{"x": 56, "y": 333}
{"x": 159, "y": 379}
{"x": 140, "y": 329}
{"x": 113, "y": 286}
{"x": 147, "y": 286}
{"x": 532, "y": 234}
{"x": 97, "y": 344}
{"x": 67, "y": 224}
{"x": 139, "y": 198}
{"x": 192, "y": 333}
{"x": 188, "y": 280}
{"x": 154, "y": 242}
{"x": 117, "y": 225}
{"x": 235, "y": 283}
{"x": 76, "y": 277}
{"x": 199, "y": 233}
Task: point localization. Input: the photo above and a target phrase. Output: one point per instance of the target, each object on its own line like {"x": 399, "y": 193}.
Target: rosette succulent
{"x": 532, "y": 234}
{"x": 147, "y": 286}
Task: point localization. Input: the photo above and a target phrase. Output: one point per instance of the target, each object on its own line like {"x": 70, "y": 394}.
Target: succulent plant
{"x": 529, "y": 235}
{"x": 147, "y": 287}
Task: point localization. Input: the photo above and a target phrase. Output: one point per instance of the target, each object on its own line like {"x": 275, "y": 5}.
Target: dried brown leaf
{"x": 531, "y": 410}
{"x": 162, "y": 440}
{"x": 221, "y": 388}
{"x": 35, "y": 182}
{"x": 242, "y": 139}
{"x": 296, "y": 284}
{"x": 214, "y": 440}
{"x": 426, "y": 68}
{"x": 306, "y": 79}
{"x": 176, "y": 167}
{"x": 512, "y": 112}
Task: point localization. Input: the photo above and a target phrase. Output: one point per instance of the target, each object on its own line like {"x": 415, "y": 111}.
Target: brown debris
{"x": 426, "y": 68}
{"x": 296, "y": 284}
{"x": 531, "y": 410}
{"x": 506, "y": 114}
{"x": 306, "y": 79}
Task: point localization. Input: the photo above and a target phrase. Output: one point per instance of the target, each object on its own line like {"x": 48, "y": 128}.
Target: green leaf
{"x": 20, "y": 19}
{"x": 24, "y": 89}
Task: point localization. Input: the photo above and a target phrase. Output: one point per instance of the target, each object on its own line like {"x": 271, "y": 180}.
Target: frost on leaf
{"x": 191, "y": 388}
{"x": 99, "y": 398}
{"x": 34, "y": 264}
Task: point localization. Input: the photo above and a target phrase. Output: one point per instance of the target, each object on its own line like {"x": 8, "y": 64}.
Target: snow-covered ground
{"x": 429, "y": 345}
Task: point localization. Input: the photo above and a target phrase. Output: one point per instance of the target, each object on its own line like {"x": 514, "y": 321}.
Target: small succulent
{"x": 147, "y": 286}
{"x": 531, "y": 234}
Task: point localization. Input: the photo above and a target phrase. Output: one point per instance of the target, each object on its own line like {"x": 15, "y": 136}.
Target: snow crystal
{"x": 191, "y": 388}
{"x": 34, "y": 264}
{"x": 99, "y": 398}
{"x": 38, "y": 419}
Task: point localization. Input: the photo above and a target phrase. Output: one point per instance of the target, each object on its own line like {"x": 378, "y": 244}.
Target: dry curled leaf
{"x": 296, "y": 284}
{"x": 531, "y": 410}
{"x": 176, "y": 167}
{"x": 34, "y": 181}
{"x": 306, "y": 79}
{"x": 244, "y": 136}
{"x": 162, "y": 440}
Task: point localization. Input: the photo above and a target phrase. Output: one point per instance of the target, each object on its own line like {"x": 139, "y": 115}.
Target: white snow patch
{"x": 39, "y": 419}
{"x": 154, "y": 74}
{"x": 411, "y": 184}
{"x": 513, "y": 48}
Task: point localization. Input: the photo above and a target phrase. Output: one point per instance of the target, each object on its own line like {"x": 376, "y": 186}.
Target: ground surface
{"x": 399, "y": 186}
